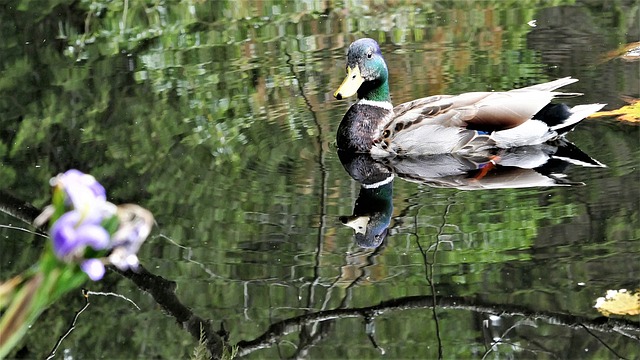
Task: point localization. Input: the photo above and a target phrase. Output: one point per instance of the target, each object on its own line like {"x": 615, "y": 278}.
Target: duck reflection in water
{"x": 374, "y": 206}
{"x": 523, "y": 167}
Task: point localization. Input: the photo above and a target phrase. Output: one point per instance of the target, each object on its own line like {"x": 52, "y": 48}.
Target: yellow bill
{"x": 351, "y": 83}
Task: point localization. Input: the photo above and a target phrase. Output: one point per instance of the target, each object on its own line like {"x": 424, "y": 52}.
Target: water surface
{"x": 218, "y": 117}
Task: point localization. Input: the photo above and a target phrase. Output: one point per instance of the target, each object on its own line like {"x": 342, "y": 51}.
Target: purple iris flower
{"x": 81, "y": 226}
{"x": 71, "y": 234}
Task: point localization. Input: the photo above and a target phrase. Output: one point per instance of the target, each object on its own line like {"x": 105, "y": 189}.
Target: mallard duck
{"x": 445, "y": 124}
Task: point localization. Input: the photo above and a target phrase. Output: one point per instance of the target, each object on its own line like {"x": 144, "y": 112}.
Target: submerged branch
{"x": 288, "y": 326}
{"x": 163, "y": 292}
{"x": 19, "y": 209}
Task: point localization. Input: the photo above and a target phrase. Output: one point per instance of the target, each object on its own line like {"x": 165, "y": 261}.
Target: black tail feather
{"x": 553, "y": 114}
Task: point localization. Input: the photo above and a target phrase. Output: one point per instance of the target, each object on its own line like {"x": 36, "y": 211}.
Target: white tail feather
{"x": 578, "y": 113}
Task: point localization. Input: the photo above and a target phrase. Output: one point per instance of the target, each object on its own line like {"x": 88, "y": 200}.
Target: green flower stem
{"x": 25, "y": 297}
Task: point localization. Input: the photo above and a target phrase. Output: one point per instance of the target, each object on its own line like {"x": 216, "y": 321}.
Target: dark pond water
{"x": 218, "y": 117}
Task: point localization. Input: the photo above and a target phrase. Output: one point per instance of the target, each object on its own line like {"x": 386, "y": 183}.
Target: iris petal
{"x": 83, "y": 190}
{"x": 94, "y": 268}
{"x": 93, "y": 235}
{"x": 64, "y": 234}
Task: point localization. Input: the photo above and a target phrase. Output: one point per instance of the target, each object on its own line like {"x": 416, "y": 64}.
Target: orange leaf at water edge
{"x": 619, "y": 302}
{"x": 628, "y": 113}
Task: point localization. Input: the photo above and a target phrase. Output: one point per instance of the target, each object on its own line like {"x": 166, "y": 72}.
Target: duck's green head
{"x": 367, "y": 72}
